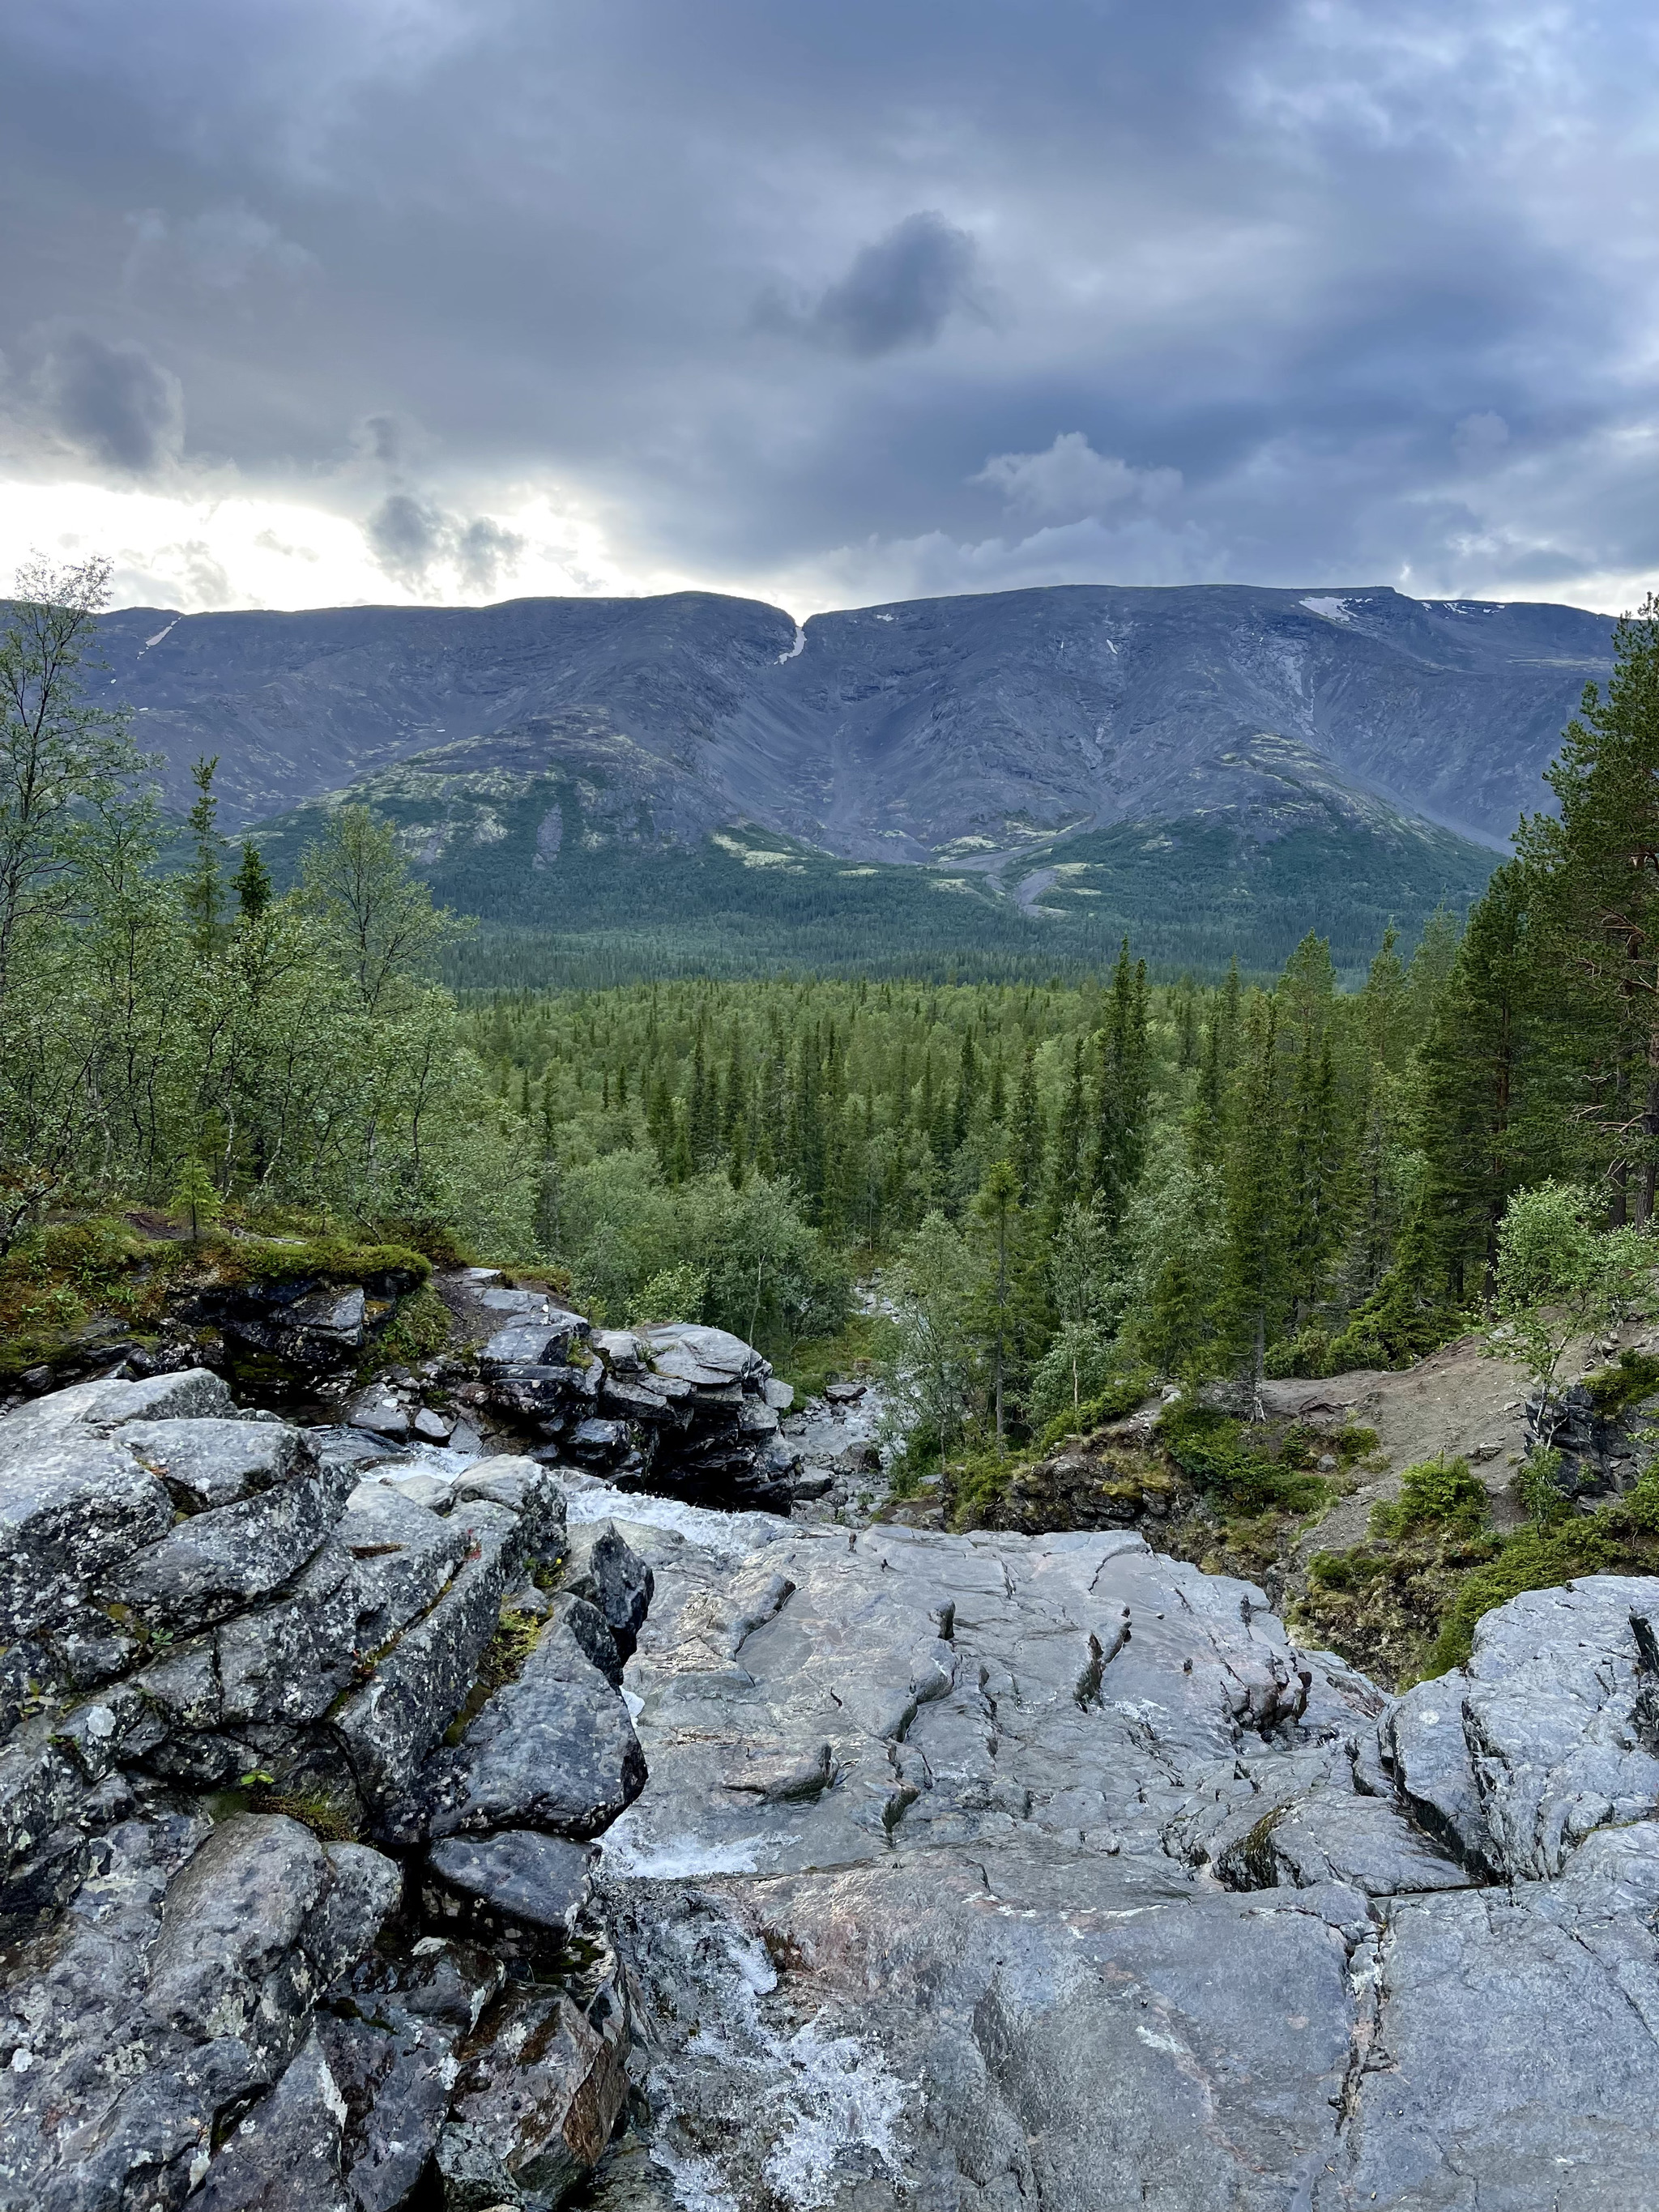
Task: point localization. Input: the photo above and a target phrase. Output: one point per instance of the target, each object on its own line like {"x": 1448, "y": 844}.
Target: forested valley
{"x": 1026, "y": 1202}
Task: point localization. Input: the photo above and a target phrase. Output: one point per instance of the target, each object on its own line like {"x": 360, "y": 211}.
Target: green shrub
{"x": 418, "y": 1329}
{"x": 1636, "y": 1376}
{"x": 1119, "y": 1399}
{"x": 1439, "y": 1493}
{"x": 1307, "y": 1353}
{"x": 1243, "y": 1476}
{"x": 1532, "y": 1559}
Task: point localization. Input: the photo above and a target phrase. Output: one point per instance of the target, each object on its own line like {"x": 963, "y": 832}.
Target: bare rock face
{"x": 228, "y": 1657}
{"x": 972, "y": 1873}
{"x": 993, "y": 1871}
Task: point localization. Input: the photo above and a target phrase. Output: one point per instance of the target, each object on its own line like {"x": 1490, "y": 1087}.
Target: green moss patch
{"x": 1634, "y": 1376}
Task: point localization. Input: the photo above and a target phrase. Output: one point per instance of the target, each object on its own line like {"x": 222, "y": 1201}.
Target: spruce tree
{"x": 1256, "y": 1291}
{"x": 205, "y": 885}
{"x": 1491, "y": 1091}
{"x": 1315, "y": 1177}
{"x": 251, "y": 884}
{"x": 1028, "y": 1130}
{"x": 1598, "y": 870}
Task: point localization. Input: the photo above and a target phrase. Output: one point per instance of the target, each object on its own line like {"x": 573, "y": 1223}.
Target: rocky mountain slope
{"x": 1036, "y": 750}
{"x": 898, "y": 733}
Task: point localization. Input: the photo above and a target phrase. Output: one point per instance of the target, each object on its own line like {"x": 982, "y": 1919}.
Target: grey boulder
{"x": 555, "y": 1751}
{"x": 603, "y": 1568}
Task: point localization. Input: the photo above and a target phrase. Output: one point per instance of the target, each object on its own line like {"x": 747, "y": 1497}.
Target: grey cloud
{"x": 484, "y": 552}
{"x": 221, "y": 248}
{"x": 1070, "y": 481}
{"x": 406, "y": 535}
{"x": 1307, "y": 259}
{"x": 899, "y": 291}
{"x": 410, "y": 537}
{"x": 382, "y": 437}
{"x": 112, "y": 399}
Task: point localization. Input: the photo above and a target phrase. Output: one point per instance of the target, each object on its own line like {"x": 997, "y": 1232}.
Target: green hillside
{"x": 615, "y": 900}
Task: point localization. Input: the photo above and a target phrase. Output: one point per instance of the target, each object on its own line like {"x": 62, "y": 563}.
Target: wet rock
{"x": 540, "y": 1340}
{"x": 528, "y": 1490}
{"x": 597, "y": 1443}
{"x": 941, "y": 1833}
{"x": 1546, "y": 1734}
{"x": 285, "y": 2154}
{"x": 432, "y": 1427}
{"x": 72, "y": 1506}
{"x": 203, "y": 1950}
{"x": 603, "y": 1568}
{"x": 591, "y": 1630}
{"x": 555, "y": 1751}
{"x": 543, "y": 2082}
{"x": 382, "y": 1415}
{"x": 543, "y": 1881}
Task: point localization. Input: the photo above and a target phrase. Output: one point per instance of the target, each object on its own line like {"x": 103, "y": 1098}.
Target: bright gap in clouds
{"x": 206, "y": 555}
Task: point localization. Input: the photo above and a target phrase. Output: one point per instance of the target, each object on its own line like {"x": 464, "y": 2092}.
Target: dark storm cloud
{"x": 1232, "y": 287}
{"x": 111, "y": 400}
{"x": 898, "y": 292}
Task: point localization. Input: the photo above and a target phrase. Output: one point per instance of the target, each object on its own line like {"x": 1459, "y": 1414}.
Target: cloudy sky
{"x": 305, "y": 302}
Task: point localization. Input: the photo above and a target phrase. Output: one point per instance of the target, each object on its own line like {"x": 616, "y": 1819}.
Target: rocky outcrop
{"x": 297, "y": 1771}
{"x": 677, "y": 1407}
{"x": 971, "y": 1872}
{"x": 1604, "y": 1436}
{"x": 991, "y": 1871}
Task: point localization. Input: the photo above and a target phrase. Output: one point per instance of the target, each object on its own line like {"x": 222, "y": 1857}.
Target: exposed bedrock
{"x": 298, "y": 1777}
{"x": 970, "y": 1873}
{"x": 981, "y": 1873}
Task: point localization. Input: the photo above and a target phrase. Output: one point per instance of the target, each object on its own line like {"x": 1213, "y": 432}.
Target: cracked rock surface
{"x": 390, "y": 1835}
{"x": 981, "y": 1873}
{"x": 241, "y": 1691}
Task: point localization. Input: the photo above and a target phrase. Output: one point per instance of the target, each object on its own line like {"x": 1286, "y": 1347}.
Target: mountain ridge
{"x": 891, "y": 731}
{"x": 1035, "y": 752}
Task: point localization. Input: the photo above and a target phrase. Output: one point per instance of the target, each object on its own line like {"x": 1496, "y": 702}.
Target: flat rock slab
{"x": 1100, "y": 1892}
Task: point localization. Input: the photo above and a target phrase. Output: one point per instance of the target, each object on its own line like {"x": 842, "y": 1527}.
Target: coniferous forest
{"x": 1058, "y": 1190}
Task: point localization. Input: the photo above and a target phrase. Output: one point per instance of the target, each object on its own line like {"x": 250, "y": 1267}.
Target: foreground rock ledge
{"x": 245, "y": 1694}
{"x": 971, "y": 1873}
{"x": 992, "y": 1873}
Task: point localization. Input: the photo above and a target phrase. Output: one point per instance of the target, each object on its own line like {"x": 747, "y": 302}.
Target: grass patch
{"x": 55, "y": 1280}
{"x": 1405, "y": 1603}
{"x": 418, "y": 1330}
{"x": 310, "y": 1808}
{"x": 329, "y": 1259}
{"x": 503, "y": 1662}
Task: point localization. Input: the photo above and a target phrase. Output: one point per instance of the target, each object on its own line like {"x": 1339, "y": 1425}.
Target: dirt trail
{"x": 1456, "y": 1402}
